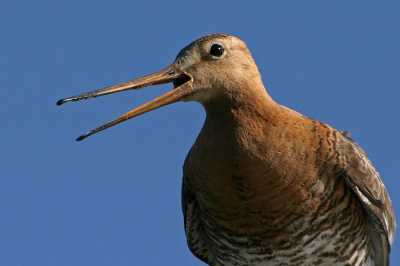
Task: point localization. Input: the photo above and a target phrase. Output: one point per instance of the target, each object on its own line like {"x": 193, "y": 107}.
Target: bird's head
{"x": 212, "y": 67}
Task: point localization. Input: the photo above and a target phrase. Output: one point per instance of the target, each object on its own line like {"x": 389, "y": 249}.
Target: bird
{"x": 264, "y": 184}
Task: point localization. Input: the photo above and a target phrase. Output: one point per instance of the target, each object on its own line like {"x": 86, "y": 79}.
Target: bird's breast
{"x": 253, "y": 172}
{"x": 264, "y": 188}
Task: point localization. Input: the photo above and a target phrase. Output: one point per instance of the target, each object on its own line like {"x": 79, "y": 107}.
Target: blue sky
{"x": 114, "y": 198}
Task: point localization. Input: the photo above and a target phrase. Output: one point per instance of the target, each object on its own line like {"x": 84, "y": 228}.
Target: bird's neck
{"x": 238, "y": 130}
{"x": 241, "y": 118}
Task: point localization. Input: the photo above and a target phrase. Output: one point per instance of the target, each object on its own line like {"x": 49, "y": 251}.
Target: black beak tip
{"x": 84, "y": 136}
{"x": 62, "y": 101}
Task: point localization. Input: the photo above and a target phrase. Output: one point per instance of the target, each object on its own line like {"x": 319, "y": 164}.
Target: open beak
{"x": 182, "y": 88}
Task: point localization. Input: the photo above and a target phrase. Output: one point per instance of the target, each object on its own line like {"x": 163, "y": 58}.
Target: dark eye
{"x": 217, "y": 49}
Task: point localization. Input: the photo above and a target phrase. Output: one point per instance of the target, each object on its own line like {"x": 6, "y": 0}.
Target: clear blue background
{"x": 114, "y": 198}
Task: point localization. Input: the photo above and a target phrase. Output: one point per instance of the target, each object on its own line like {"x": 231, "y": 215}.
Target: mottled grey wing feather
{"x": 366, "y": 183}
{"x": 196, "y": 236}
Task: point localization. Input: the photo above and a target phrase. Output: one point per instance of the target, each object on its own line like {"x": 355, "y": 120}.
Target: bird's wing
{"x": 196, "y": 236}
{"x": 367, "y": 185}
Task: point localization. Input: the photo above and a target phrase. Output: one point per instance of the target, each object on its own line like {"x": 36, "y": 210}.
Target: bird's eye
{"x": 217, "y": 49}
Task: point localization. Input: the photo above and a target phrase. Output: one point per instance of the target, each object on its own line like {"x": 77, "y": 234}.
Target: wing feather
{"x": 368, "y": 186}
